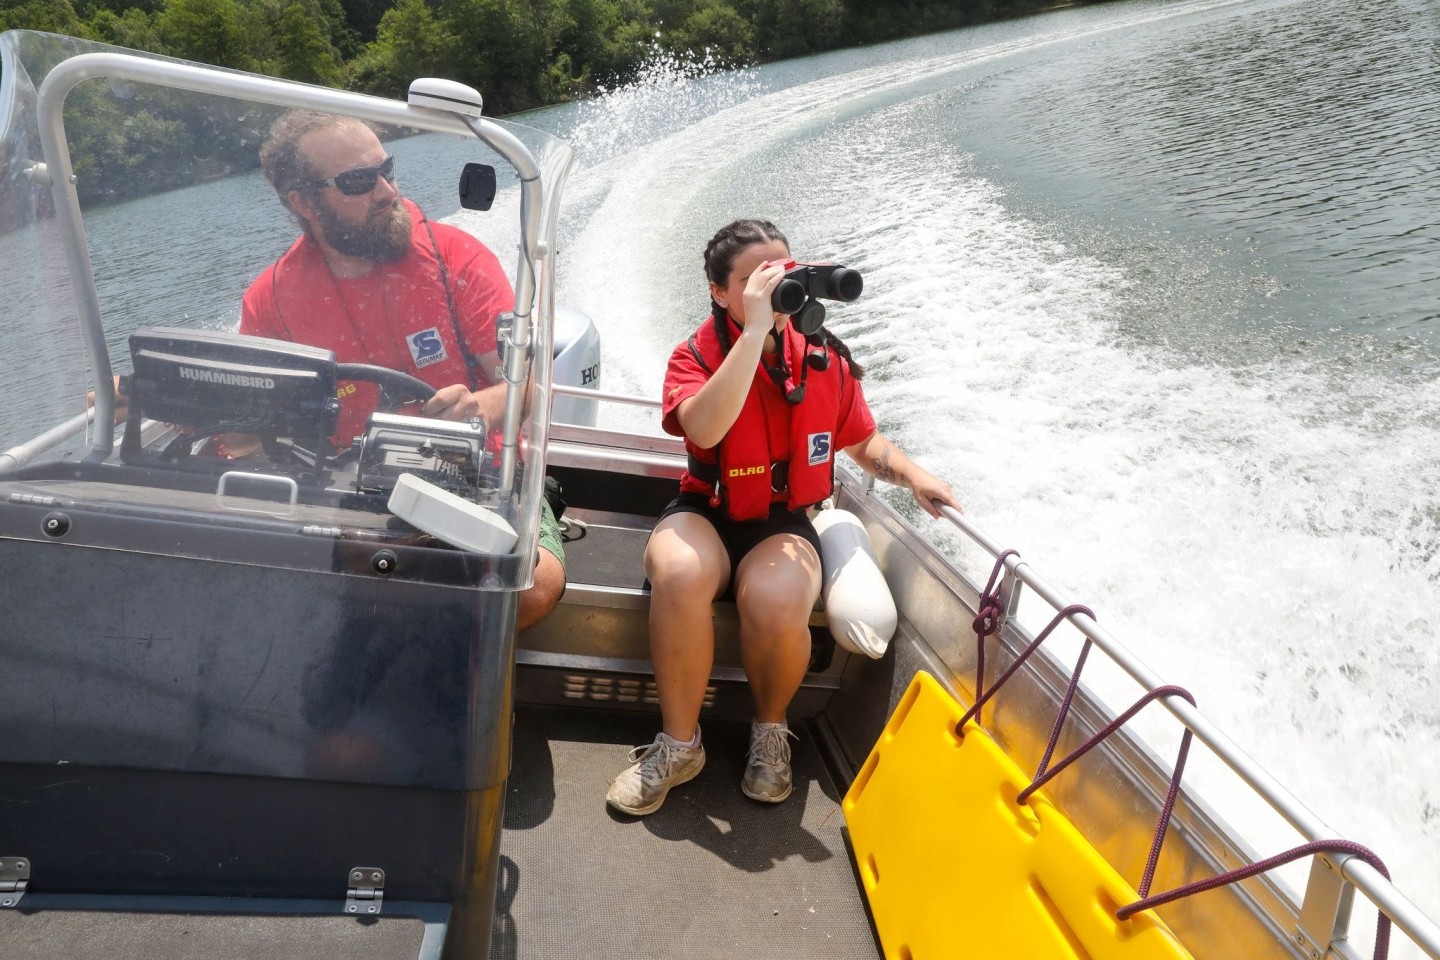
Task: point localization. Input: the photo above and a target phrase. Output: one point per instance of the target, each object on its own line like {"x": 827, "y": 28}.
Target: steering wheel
{"x": 397, "y": 388}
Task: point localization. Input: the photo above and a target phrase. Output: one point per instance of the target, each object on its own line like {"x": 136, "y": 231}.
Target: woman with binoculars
{"x": 762, "y": 408}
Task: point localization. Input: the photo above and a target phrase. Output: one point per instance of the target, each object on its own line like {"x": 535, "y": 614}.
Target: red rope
{"x": 1382, "y": 926}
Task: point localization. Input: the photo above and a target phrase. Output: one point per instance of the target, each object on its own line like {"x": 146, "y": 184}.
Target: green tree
{"x": 209, "y": 31}
{"x": 794, "y": 28}
{"x": 337, "y": 28}
{"x": 134, "y": 28}
{"x": 410, "y": 42}
{"x": 52, "y": 16}
{"x": 502, "y": 47}
{"x": 715, "y": 27}
{"x": 606, "y": 40}
{"x": 89, "y": 9}
{"x": 362, "y": 18}
{"x": 304, "y": 48}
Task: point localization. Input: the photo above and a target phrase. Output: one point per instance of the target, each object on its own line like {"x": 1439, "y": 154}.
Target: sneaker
{"x": 767, "y": 767}
{"x": 641, "y": 787}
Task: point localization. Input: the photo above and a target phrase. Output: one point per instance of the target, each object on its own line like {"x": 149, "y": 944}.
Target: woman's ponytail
{"x": 856, "y": 370}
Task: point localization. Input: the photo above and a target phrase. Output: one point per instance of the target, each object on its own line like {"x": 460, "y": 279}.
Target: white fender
{"x": 858, "y": 605}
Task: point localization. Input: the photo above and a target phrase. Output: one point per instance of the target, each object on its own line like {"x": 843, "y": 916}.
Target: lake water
{"x": 1154, "y": 285}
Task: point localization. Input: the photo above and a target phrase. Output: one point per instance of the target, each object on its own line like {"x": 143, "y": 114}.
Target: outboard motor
{"x": 577, "y": 364}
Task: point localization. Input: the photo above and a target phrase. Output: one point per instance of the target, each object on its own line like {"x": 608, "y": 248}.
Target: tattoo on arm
{"x": 881, "y": 465}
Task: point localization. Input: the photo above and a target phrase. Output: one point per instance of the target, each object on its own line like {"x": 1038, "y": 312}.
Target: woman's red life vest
{"x": 738, "y": 469}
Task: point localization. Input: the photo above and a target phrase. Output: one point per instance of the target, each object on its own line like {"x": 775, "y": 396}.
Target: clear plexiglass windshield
{"x": 336, "y": 358}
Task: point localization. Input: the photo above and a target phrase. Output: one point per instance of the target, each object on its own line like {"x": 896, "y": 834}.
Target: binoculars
{"x": 796, "y": 294}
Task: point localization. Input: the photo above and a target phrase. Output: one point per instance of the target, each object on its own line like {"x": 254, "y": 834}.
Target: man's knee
{"x": 549, "y": 587}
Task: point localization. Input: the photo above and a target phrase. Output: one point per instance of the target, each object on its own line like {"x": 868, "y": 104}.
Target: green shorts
{"x": 550, "y": 538}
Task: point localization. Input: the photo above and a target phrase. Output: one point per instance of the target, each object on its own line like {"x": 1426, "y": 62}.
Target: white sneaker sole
{"x": 764, "y": 799}
{"x": 651, "y": 808}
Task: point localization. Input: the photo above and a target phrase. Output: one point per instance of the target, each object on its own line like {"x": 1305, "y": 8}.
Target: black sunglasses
{"x": 353, "y": 183}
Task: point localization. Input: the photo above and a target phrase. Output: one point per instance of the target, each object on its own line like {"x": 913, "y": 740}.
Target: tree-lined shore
{"x": 519, "y": 53}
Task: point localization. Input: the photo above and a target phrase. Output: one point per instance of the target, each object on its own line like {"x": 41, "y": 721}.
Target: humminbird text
{"x": 234, "y": 379}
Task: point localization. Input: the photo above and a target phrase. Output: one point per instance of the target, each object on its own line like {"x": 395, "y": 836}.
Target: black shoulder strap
{"x": 695, "y": 352}
{"x": 472, "y": 362}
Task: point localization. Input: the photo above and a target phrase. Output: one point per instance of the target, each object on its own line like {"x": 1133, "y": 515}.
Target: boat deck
{"x": 710, "y": 874}
{"x": 127, "y": 935}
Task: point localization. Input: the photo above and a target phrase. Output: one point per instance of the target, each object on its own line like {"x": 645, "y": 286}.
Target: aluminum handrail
{"x": 585, "y": 393}
{"x": 22, "y": 453}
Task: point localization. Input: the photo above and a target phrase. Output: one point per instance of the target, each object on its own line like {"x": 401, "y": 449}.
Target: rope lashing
{"x": 1163, "y": 823}
{"x": 1064, "y": 706}
{"x": 982, "y": 698}
{"x": 986, "y": 622}
{"x": 1382, "y": 926}
{"x": 990, "y": 612}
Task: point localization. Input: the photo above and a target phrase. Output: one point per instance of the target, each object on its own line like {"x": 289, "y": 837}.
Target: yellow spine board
{"x": 954, "y": 867}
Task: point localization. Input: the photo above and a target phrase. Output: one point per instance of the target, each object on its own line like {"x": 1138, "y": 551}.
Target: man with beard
{"x": 374, "y": 281}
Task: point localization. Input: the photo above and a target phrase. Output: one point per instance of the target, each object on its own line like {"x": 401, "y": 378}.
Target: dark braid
{"x": 838, "y": 345}
{"x": 720, "y": 254}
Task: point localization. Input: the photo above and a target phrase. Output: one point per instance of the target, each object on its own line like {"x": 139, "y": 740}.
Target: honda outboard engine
{"x": 577, "y": 364}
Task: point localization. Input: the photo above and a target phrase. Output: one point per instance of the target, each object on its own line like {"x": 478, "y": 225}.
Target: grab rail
{"x": 22, "y": 453}
{"x": 585, "y": 393}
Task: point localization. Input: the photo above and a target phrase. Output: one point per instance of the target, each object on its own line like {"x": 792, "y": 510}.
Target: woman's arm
{"x": 881, "y": 458}
{"x": 709, "y": 415}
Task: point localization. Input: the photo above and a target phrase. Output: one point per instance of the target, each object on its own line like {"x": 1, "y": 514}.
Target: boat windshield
{"x": 356, "y": 365}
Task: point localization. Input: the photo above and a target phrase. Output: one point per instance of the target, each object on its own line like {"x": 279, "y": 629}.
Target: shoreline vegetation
{"x": 520, "y": 54}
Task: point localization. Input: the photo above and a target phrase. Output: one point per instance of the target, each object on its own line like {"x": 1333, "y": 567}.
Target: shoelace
{"x": 770, "y": 746}
{"x": 653, "y": 759}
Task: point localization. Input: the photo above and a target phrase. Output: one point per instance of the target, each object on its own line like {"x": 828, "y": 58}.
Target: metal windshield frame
{"x": 535, "y": 256}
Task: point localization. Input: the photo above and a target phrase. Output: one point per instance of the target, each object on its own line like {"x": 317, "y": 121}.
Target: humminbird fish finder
{"x": 213, "y": 382}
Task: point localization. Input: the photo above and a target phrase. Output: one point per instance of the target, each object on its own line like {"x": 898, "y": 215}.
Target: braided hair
{"x": 720, "y": 254}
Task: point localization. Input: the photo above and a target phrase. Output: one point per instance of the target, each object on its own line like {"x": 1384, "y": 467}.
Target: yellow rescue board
{"x": 954, "y": 867}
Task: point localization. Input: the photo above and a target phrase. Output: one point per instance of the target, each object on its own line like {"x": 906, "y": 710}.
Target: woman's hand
{"x": 929, "y": 490}
{"x": 759, "y": 314}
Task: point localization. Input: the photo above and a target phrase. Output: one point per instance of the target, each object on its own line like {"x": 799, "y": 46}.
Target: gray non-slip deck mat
{"x": 85, "y": 935}
{"x": 710, "y": 874}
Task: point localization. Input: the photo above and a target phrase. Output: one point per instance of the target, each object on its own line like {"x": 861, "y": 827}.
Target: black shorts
{"x": 742, "y": 536}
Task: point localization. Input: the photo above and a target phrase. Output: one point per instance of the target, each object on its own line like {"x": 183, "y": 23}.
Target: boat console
{"x": 249, "y": 676}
